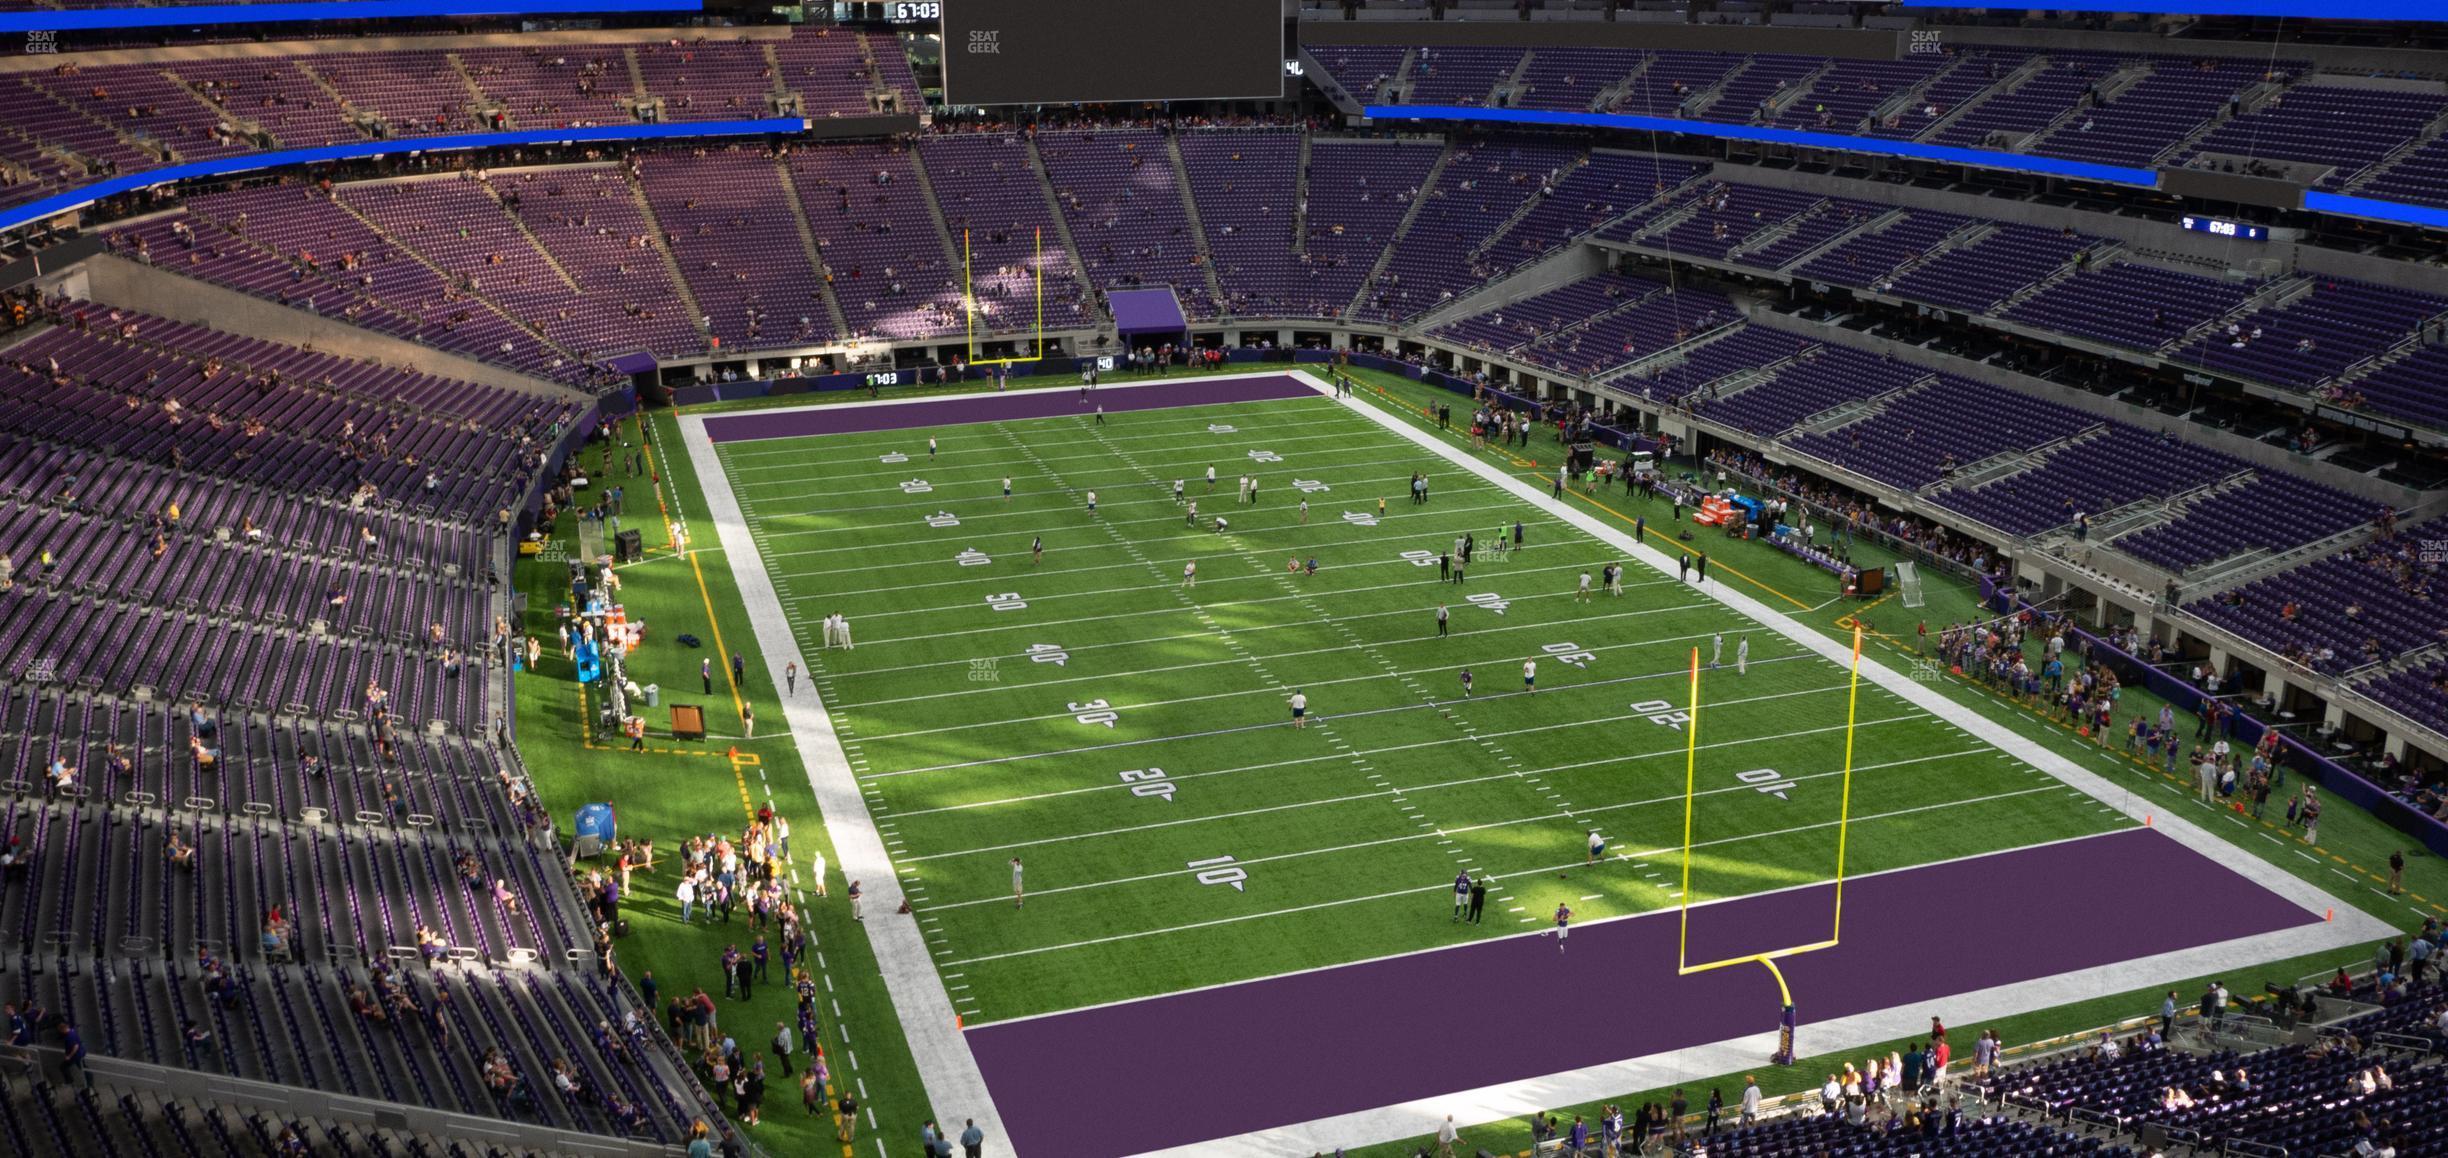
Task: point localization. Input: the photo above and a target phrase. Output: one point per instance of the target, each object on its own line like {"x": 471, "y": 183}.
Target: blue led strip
{"x": 1983, "y": 158}
{"x": 63, "y": 202}
{"x": 2324, "y": 9}
{"x": 2399, "y": 211}
{"x": 197, "y": 15}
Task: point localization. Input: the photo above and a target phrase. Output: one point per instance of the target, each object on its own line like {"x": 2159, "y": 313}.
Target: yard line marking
{"x": 1136, "y": 743}
{"x": 800, "y": 456}
{"x": 1545, "y": 817}
{"x": 1032, "y": 505}
{"x": 1326, "y": 757}
{"x": 934, "y": 563}
{"x": 1177, "y": 610}
{"x": 1179, "y": 636}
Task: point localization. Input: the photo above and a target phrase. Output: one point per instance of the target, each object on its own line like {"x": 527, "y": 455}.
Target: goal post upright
{"x": 1684, "y": 966}
{"x": 1844, "y": 807}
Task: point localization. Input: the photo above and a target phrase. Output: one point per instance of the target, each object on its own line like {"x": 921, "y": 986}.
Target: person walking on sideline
{"x": 1447, "y": 1138}
{"x": 790, "y": 677}
{"x": 705, "y": 673}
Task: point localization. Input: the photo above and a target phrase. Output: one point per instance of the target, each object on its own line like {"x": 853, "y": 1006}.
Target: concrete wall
{"x": 116, "y": 281}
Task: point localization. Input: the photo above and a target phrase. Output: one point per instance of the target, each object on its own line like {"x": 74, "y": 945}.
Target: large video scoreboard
{"x": 1012, "y": 52}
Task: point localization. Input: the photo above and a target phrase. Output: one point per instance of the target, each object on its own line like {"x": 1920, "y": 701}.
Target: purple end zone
{"x": 1175, "y": 1070}
{"x": 855, "y": 419}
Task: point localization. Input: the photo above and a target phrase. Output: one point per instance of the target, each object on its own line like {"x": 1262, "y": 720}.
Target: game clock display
{"x": 2225, "y": 228}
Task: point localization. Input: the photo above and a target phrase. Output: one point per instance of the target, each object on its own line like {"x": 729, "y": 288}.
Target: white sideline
{"x": 957, "y": 1087}
{"x": 1519, "y": 1098}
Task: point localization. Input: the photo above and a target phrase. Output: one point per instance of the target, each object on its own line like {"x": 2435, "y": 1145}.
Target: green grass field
{"x": 1385, "y": 605}
{"x": 1127, "y": 734}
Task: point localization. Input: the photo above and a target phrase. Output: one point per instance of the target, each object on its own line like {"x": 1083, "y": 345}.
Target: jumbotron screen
{"x": 1028, "y": 52}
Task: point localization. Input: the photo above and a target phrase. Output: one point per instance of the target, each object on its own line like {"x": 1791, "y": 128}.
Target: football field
{"x": 1126, "y": 733}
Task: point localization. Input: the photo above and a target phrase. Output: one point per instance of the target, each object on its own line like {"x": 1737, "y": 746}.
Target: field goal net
{"x": 1908, "y": 584}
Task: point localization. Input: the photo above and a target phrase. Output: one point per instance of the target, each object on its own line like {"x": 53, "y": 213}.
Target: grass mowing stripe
{"x": 1397, "y": 790}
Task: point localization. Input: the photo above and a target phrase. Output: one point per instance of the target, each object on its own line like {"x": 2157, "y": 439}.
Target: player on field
{"x": 1581, "y": 595}
{"x": 1597, "y": 847}
{"x": 1300, "y": 709}
{"x": 1190, "y": 573}
{"x": 1007, "y": 488}
{"x": 1614, "y": 578}
{"x": 1190, "y": 517}
{"x": 1466, "y": 681}
{"x": 1211, "y": 477}
{"x": 1017, "y": 895}
{"x": 1304, "y": 512}
{"x": 1177, "y": 490}
{"x": 1036, "y": 550}
{"x": 1742, "y": 656}
{"x": 1563, "y": 925}
{"x": 1092, "y": 502}
{"x": 930, "y": 448}
{"x": 1529, "y": 675}
{"x": 1462, "y": 887}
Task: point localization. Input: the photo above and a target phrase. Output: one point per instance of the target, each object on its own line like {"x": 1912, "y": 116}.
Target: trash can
{"x": 654, "y": 695}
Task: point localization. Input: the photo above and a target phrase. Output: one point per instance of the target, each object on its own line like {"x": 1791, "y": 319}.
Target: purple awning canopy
{"x": 639, "y": 363}
{"x": 1145, "y": 311}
